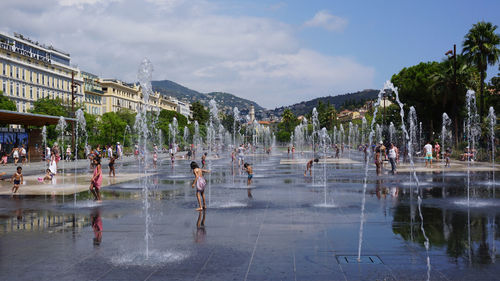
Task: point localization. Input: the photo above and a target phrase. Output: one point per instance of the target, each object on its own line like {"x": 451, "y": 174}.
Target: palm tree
{"x": 480, "y": 48}
{"x": 453, "y": 76}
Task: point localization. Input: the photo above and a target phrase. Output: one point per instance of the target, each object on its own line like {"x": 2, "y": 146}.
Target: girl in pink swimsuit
{"x": 95, "y": 183}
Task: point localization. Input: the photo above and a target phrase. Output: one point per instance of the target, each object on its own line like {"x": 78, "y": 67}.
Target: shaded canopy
{"x": 29, "y": 119}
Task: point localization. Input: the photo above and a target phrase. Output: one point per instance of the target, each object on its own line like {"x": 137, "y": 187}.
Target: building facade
{"x": 94, "y": 95}
{"x": 30, "y": 71}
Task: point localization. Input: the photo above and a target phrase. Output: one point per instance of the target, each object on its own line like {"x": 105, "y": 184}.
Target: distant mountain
{"x": 306, "y": 107}
{"x": 225, "y": 101}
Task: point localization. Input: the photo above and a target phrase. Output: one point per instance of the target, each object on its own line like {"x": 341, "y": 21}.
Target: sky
{"x": 272, "y": 52}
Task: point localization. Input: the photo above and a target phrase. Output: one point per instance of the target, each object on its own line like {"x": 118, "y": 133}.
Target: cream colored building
{"x": 120, "y": 95}
{"x": 30, "y": 71}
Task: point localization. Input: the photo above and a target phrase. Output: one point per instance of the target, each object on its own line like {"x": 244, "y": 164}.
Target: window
{"x": 31, "y": 76}
{"x": 4, "y": 87}
{"x": 4, "y": 70}
{"x": 43, "y": 79}
{"x": 22, "y": 72}
{"x": 37, "y": 78}
{"x": 24, "y": 91}
{"x": 11, "y": 89}
{"x": 10, "y": 70}
{"x": 37, "y": 93}
{"x": 17, "y": 89}
{"x": 31, "y": 92}
{"x": 17, "y": 72}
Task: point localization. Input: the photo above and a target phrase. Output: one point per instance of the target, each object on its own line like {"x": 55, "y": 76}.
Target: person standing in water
{"x": 392, "y": 158}
{"x": 95, "y": 183}
{"x": 111, "y": 166}
{"x": 203, "y": 160}
{"x": 309, "y": 166}
{"x": 437, "y": 149}
{"x": 249, "y": 170}
{"x": 200, "y": 183}
{"x": 17, "y": 179}
{"x": 428, "y": 154}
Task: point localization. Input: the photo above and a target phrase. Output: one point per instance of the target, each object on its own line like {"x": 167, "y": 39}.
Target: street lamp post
{"x": 74, "y": 85}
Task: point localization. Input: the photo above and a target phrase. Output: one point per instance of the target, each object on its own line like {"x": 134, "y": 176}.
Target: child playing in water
{"x": 447, "y": 155}
{"x": 172, "y": 158}
{"x": 249, "y": 170}
{"x": 200, "y": 183}
{"x": 95, "y": 183}
{"x": 111, "y": 165}
{"x": 155, "y": 159}
{"x": 309, "y": 166}
{"x": 48, "y": 176}
{"x": 17, "y": 178}
{"x": 203, "y": 160}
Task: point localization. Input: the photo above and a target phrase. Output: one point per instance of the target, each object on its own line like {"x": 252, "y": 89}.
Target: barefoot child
{"x": 249, "y": 170}
{"x": 309, "y": 166}
{"x": 95, "y": 183}
{"x": 17, "y": 178}
{"x": 155, "y": 159}
{"x": 203, "y": 160}
{"x": 111, "y": 166}
{"x": 48, "y": 176}
{"x": 200, "y": 183}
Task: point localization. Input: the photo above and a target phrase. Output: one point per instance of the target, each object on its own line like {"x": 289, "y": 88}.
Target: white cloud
{"x": 193, "y": 44}
{"x": 327, "y": 21}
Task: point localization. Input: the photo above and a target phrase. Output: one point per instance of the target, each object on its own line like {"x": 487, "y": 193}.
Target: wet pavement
{"x": 285, "y": 227}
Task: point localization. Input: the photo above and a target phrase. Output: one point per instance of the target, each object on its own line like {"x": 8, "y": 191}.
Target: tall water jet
{"x": 80, "y": 130}
{"x": 174, "y": 130}
{"x": 388, "y": 86}
{"x": 61, "y": 128}
{"x": 185, "y": 135}
{"x": 44, "y": 141}
{"x": 378, "y": 133}
{"x": 211, "y": 139}
{"x": 392, "y": 133}
{"x": 196, "y": 137}
{"x": 125, "y": 132}
{"x": 445, "y": 139}
{"x": 363, "y": 130}
{"x": 324, "y": 144}
{"x": 492, "y": 122}
{"x": 236, "y": 122}
{"x": 315, "y": 132}
{"x": 144, "y": 76}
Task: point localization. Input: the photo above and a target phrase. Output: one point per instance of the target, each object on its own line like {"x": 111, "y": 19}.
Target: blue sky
{"x": 388, "y": 35}
{"x": 273, "y": 52}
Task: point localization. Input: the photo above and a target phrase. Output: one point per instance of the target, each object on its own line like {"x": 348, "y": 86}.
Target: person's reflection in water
{"x": 19, "y": 208}
{"x": 200, "y": 234}
{"x": 96, "y": 221}
{"x": 249, "y": 193}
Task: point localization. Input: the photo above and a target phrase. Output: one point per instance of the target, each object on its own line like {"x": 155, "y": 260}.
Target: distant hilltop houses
{"x": 30, "y": 71}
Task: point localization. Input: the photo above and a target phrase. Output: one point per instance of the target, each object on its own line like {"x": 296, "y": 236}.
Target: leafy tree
{"x": 166, "y": 117}
{"x": 6, "y": 103}
{"x": 48, "y": 106}
{"x": 287, "y": 125}
{"x": 480, "y": 47}
{"x": 200, "y": 114}
{"x": 128, "y": 116}
{"x": 92, "y": 128}
{"x": 228, "y": 122}
{"x": 53, "y": 107}
{"x": 111, "y": 128}
{"x": 414, "y": 86}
